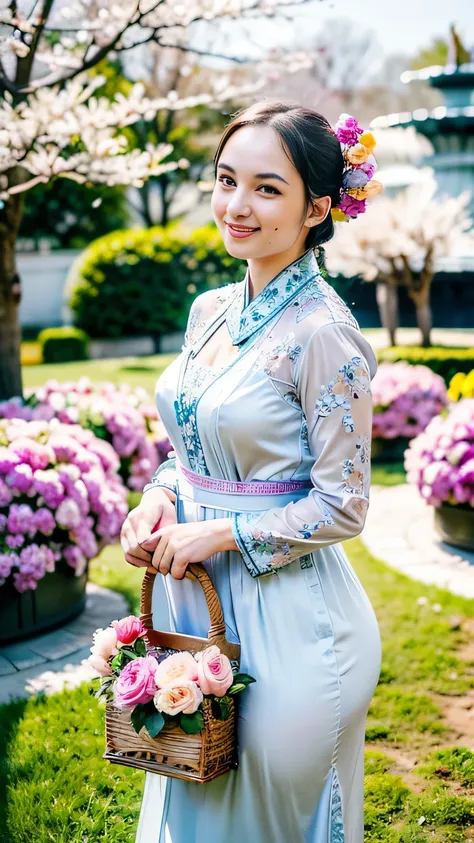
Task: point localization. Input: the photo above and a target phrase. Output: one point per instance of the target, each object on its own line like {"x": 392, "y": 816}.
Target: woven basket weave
{"x": 199, "y": 758}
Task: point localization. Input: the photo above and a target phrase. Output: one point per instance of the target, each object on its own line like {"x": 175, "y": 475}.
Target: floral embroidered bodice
{"x": 293, "y": 404}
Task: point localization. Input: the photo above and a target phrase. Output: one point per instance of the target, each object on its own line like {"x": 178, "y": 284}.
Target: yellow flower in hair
{"x": 367, "y": 139}
{"x": 358, "y": 154}
{"x": 357, "y": 192}
{"x": 371, "y": 189}
{"x": 338, "y": 215}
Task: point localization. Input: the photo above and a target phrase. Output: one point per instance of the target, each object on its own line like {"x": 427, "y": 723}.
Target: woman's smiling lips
{"x": 241, "y": 231}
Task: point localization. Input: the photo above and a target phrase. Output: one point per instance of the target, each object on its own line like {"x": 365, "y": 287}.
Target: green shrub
{"x": 60, "y": 345}
{"x": 444, "y": 361}
{"x": 143, "y": 281}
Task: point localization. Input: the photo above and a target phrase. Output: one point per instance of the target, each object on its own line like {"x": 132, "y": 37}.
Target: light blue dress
{"x": 294, "y": 404}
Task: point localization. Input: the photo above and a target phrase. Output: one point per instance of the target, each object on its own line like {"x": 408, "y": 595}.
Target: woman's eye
{"x": 269, "y": 187}
{"x": 225, "y": 179}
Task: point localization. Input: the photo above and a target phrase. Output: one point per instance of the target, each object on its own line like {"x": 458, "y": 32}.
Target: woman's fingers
{"x": 135, "y": 561}
{"x": 129, "y": 543}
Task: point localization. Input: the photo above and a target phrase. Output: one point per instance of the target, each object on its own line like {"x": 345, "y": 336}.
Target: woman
{"x": 272, "y": 385}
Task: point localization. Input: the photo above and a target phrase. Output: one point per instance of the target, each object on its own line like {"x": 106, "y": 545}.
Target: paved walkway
{"x": 52, "y": 661}
{"x": 399, "y": 530}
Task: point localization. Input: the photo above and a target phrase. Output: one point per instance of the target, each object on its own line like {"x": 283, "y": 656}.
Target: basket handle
{"x": 195, "y": 571}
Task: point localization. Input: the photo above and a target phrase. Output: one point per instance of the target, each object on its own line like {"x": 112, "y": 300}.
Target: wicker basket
{"x": 199, "y": 758}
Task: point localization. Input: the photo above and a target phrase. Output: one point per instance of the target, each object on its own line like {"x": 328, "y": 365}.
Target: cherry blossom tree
{"x": 398, "y": 242}
{"x": 53, "y": 126}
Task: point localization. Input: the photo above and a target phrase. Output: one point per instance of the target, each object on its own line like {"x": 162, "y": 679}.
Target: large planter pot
{"x": 389, "y": 450}
{"x": 455, "y": 525}
{"x": 58, "y": 598}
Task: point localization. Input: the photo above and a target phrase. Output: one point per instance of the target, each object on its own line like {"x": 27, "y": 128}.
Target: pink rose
{"x": 183, "y": 698}
{"x": 214, "y": 672}
{"x": 136, "y": 682}
{"x": 104, "y": 643}
{"x": 100, "y": 665}
{"x": 128, "y": 629}
{"x": 175, "y": 670}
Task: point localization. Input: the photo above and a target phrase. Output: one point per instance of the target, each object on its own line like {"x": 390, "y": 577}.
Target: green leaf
{"x": 138, "y": 718}
{"x": 154, "y": 723}
{"x": 220, "y": 708}
{"x": 140, "y": 647}
{"x": 241, "y": 681}
{"x": 117, "y": 661}
{"x": 192, "y": 724}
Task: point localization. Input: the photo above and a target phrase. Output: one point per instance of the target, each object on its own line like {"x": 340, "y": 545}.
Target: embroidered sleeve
{"x": 333, "y": 388}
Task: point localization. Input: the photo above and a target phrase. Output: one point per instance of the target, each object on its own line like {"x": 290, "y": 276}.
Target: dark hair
{"x": 314, "y": 149}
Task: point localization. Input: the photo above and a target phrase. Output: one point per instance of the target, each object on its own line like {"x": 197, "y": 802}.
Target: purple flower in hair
{"x": 368, "y": 169}
{"x": 354, "y": 178}
{"x": 352, "y": 207}
{"x": 348, "y": 130}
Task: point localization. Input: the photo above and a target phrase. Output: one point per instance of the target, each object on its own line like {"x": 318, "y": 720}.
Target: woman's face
{"x": 258, "y": 187}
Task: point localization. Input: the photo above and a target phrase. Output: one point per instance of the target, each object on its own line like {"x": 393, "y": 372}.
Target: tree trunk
{"x": 421, "y": 299}
{"x": 10, "y": 295}
{"x": 165, "y": 203}
{"x": 387, "y": 300}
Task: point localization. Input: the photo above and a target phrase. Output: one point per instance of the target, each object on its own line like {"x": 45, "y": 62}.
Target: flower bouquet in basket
{"x": 169, "y": 710}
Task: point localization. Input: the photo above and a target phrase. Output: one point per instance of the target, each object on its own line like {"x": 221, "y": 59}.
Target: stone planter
{"x": 455, "y": 525}
{"x": 58, "y": 598}
{"x": 389, "y": 450}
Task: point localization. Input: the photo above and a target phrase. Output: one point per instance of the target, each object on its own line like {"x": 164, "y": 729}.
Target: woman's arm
{"x": 333, "y": 386}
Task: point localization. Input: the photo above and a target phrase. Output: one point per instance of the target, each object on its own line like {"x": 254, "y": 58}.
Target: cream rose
{"x": 105, "y": 643}
{"x": 214, "y": 672}
{"x": 184, "y": 698}
{"x": 100, "y": 665}
{"x": 175, "y": 670}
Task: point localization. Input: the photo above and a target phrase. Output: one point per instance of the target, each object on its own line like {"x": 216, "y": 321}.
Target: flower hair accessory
{"x": 359, "y": 167}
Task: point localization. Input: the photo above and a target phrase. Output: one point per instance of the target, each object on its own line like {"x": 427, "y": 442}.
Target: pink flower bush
{"x": 124, "y": 417}
{"x": 441, "y": 459}
{"x": 405, "y": 399}
{"x": 61, "y": 499}
{"x": 174, "y": 685}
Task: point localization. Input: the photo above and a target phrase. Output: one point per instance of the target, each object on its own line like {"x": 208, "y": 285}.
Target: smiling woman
{"x": 269, "y": 411}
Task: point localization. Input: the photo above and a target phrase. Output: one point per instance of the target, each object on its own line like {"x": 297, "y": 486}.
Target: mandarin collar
{"x": 245, "y": 317}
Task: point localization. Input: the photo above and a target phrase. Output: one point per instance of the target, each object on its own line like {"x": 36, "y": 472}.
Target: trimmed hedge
{"x": 143, "y": 281}
{"x": 61, "y": 345}
{"x": 444, "y": 361}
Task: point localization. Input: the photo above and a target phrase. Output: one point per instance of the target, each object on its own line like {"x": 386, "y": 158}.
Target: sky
{"x": 403, "y": 26}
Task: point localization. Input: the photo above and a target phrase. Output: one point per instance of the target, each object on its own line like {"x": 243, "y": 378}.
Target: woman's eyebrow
{"x": 257, "y": 175}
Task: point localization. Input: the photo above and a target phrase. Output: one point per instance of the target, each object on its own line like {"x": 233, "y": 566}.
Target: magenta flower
{"x": 405, "y": 399}
{"x": 351, "y": 206}
{"x": 440, "y": 460}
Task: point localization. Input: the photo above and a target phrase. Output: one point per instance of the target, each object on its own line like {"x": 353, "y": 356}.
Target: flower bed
{"x": 405, "y": 399}
{"x": 441, "y": 462}
{"x": 122, "y": 416}
{"x": 61, "y": 501}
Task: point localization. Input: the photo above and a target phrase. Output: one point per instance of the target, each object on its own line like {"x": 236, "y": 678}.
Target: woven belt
{"x": 234, "y": 495}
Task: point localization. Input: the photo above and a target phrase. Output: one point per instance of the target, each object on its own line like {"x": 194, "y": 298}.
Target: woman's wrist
{"x": 228, "y": 541}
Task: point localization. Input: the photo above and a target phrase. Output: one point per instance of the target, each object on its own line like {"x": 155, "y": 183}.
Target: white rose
{"x": 105, "y": 643}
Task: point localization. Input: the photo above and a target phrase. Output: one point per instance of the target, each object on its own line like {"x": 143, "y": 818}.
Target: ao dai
{"x": 294, "y": 404}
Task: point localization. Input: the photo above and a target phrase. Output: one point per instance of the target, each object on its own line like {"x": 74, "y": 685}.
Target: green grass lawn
{"x": 136, "y": 371}
{"x": 58, "y": 788}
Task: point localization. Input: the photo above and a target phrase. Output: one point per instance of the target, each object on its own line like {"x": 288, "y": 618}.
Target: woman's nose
{"x": 238, "y": 205}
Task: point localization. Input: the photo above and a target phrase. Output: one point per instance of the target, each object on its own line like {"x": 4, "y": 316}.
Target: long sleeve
{"x": 333, "y": 389}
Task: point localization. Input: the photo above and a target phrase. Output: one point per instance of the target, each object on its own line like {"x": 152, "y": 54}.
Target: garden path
{"x": 399, "y": 530}
{"x": 53, "y": 661}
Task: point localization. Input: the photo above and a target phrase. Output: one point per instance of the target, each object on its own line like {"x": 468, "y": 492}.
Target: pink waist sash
{"x": 236, "y": 495}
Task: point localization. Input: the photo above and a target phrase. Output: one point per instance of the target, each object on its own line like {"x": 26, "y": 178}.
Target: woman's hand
{"x": 156, "y": 509}
{"x": 176, "y": 546}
